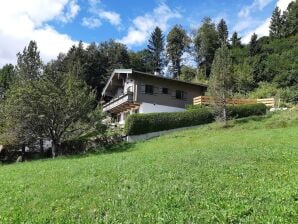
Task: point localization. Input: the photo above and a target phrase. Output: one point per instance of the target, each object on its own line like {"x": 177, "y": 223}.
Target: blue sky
{"x": 58, "y": 24}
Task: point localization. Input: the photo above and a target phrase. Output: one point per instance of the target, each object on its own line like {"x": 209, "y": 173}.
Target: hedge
{"x": 145, "y": 123}
{"x": 240, "y": 111}
{"x": 137, "y": 124}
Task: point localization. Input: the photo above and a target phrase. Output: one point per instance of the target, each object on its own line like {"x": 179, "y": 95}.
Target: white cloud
{"x": 91, "y": 22}
{"x": 256, "y": 5}
{"x": 263, "y": 28}
{"x": 72, "y": 10}
{"x": 98, "y": 14}
{"x": 22, "y": 21}
{"x": 139, "y": 32}
{"x": 112, "y": 17}
{"x": 283, "y": 4}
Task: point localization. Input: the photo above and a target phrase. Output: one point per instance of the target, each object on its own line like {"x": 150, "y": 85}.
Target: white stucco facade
{"x": 149, "y": 108}
{"x": 157, "y": 108}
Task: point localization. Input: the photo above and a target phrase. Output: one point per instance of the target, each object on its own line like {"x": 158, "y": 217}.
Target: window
{"x": 179, "y": 94}
{"x": 165, "y": 91}
{"x": 148, "y": 89}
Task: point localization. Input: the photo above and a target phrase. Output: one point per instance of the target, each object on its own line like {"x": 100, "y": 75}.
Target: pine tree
{"x": 290, "y": 18}
{"x": 223, "y": 32}
{"x": 29, "y": 64}
{"x": 220, "y": 83}
{"x": 276, "y": 24}
{"x": 156, "y": 48}
{"x": 206, "y": 42}
{"x": 177, "y": 44}
{"x": 254, "y": 47}
{"x": 235, "y": 40}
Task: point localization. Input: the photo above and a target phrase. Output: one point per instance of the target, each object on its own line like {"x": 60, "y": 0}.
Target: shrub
{"x": 246, "y": 110}
{"x": 145, "y": 123}
{"x": 137, "y": 124}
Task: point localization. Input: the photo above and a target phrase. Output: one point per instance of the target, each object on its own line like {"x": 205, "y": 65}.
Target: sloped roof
{"x": 131, "y": 71}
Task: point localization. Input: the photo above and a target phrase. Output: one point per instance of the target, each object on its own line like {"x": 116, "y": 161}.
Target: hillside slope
{"x": 247, "y": 172}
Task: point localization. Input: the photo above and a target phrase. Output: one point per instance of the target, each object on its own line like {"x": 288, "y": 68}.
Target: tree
{"x": 29, "y": 65}
{"x": 290, "y": 18}
{"x": 177, "y": 44}
{"x": 75, "y": 60}
{"x": 188, "y": 73}
{"x": 140, "y": 61}
{"x": 235, "y": 40}
{"x": 156, "y": 48}
{"x": 254, "y": 47}
{"x": 7, "y": 75}
{"x": 206, "y": 42}
{"x": 55, "y": 107}
{"x": 243, "y": 78}
{"x": 223, "y": 32}
{"x": 276, "y": 24}
{"x": 221, "y": 80}
{"x": 115, "y": 55}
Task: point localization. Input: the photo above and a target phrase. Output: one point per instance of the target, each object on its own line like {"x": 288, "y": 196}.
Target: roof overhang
{"x": 116, "y": 71}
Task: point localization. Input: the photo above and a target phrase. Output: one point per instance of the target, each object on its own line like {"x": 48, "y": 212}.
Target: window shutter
{"x": 142, "y": 88}
{"x": 160, "y": 90}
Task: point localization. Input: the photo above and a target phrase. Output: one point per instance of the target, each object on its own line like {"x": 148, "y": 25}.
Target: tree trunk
{"x": 41, "y": 146}
{"x": 54, "y": 149}
{"x": 23, "y": 152}
{"x": 224, "y": 114}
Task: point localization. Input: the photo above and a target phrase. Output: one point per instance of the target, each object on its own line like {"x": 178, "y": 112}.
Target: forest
{"x": 60, "y": 100}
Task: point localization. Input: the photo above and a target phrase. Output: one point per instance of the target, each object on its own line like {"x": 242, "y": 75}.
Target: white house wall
{"x": 156, "y": 108}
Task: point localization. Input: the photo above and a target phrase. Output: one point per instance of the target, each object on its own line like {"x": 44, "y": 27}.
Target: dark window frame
{"x": 149, "y": 89}
{"x": 165, "y": 90}
{"x": 180, "y": 95}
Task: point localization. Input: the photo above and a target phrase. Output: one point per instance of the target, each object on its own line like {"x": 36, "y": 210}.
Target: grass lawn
{"x": 246, "y": 173}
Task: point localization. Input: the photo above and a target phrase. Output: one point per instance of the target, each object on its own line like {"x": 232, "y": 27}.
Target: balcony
{"x": 122, "y": 103}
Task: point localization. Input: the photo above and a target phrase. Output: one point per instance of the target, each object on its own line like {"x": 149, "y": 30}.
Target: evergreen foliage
{"x": 206, "y": 42}
{"x": 156, "y": 47}
{"x": 223, "y": 32}
{"x": 276, "y": 24}
{"x": 177, "y": 44}
{"x": 221, "y": 81}
{"x": 235, "y": 40}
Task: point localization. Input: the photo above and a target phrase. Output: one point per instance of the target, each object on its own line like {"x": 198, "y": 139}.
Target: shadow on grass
{"x": 252, "y": 118}
{"x": 115, "y": 148}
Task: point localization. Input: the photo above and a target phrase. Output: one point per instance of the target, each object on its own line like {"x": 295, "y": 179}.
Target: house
{"x": 128, "y": 91}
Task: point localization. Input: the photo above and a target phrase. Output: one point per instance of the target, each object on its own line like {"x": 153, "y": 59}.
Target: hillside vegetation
{"x": 244, "y": 173}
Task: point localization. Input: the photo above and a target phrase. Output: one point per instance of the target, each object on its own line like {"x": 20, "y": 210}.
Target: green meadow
{"x": 244, "y": 172}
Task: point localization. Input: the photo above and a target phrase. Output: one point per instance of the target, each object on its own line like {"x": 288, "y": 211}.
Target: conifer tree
{"x": 206, "y": 42}
{"x": 177, "y": 44}
{"x": 223, "y": 32}
{"x": 254, "y": 47}
{"x": 220, "y": 83}
{"x": 235, "y": 40}
{"x": 156, "y": 48}
{"x": 276, "y": 24}
{"x": 29, "y": 64}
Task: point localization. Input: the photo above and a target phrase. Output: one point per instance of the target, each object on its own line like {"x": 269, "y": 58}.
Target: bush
{"x": 74, "y": 146}
{"x": 246, "y": 110}
{"x": 145, "y": 123}
{"x": 137, "y": 124}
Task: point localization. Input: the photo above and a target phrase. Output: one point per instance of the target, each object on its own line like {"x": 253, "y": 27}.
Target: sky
{"x": 56, "y": 25}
